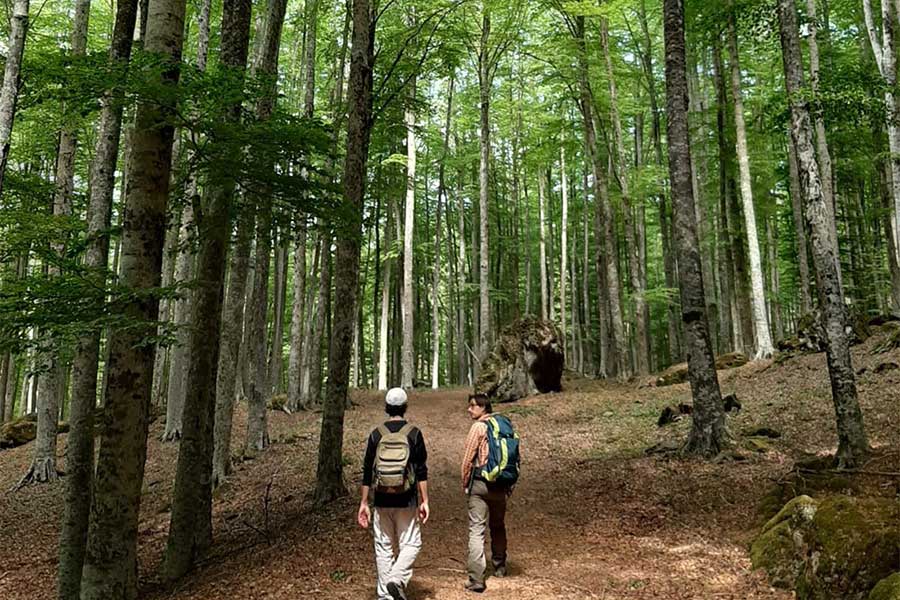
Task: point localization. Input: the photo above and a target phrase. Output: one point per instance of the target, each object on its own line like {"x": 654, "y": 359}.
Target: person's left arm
{"x": 420, "y": 464}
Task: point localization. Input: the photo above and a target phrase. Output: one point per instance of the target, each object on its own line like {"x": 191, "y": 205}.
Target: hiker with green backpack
{"x": 490, "y": 470}
{"x": 395, "y": 466}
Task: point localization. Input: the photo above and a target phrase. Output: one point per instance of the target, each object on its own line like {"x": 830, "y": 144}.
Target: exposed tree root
{"x": 42, "y": 470}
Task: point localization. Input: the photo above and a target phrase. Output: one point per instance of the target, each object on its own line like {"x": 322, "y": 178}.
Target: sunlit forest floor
{"x": 593, "y": 516}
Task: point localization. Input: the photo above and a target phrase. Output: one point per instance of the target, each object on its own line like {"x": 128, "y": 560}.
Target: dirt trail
{"x": 593, "y": 517}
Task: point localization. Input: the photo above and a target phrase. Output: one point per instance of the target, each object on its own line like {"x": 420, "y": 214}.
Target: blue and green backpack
{"x": 503, "y": 452}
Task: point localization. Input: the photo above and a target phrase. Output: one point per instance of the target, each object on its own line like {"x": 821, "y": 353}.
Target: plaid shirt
{"x": 476, "y": 445}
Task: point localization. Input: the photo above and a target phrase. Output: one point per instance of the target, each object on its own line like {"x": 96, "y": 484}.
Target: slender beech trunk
{"x": 322, "y": 312}
{"x": 764, "y": 347}
{"x": 461, "y": 266}
{"x": 4, "y": 383}
{"x": 708, "y": 433}
{"x": 12, "y": 79}
{"x": 774, "y": 279}
{"x": 80, "y": 441}
{"x": 563, "y": 248}
{"x": 266, "y": 66}
{"x": 799, "y": 229}
{"x": 893, "y": 262}
{"x": 276, "y": 350}
{"x": 329, "y": 473}
{"x": 385, "y": 304}
{"x": 853, "y": 445}
{"x": 436, "y": 280}
{"x": 181, "y": 352}
{"x": 407, "y": 354}
{"x": 190, "y": 529}
{"x": 543, "y": 245}
{"x": 298, "y": 308}
{"x": 641, "y": 349}
{"x": 229, "y": 350}
{"x": 485, "y": 79}
{"x": 110, "y": 569}
{"x": 885, "y": 59}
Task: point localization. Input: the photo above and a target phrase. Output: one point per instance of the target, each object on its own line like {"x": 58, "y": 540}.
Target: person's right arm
{"x": 364, "y": 514}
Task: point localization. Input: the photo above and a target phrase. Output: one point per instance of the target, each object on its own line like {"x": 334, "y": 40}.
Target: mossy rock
{"x": 673, "y": 375}
{"x": 816, "y": 480}
{"x": 835, "y": 547}
{"x": 779, "y": 547}
{"x": 856, "y": 544}
{"x": 732, "y": 360}
{"x": 887, "y": 589}
{"x": 527, "y": 358}
{"x": 18, "y": 432}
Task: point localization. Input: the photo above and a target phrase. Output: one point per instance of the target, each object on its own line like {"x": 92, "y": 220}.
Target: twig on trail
{"x": 449, "y": 570}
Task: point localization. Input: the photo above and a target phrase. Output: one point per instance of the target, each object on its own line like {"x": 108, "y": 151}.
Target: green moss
{"x": 774, "y": 552}
{"x": 887, "y": 589}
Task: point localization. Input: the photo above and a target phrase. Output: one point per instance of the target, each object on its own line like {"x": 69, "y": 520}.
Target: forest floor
{"x": 593, "y": 516}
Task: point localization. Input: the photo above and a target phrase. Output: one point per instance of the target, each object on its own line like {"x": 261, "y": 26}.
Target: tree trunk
{"x": 329, "y": 473}
{"x": 181, "y": 351}
{"x": 893, "y": 263}
{"x": 190, "y": 530}
{"x": 543, "y": 245}
{"x": 298, "y": 309}
{"x": 229, "y": 350}
{"x": 708, "y": 433}
{"x": 642, "y": 351}
{"x": 885, "y": 59}
{"x": 314, "y": 396}
{"x": 110, "y": 569}
{"x": 383, "y": 342}
{"x": 799, "y": 229}
{"x": 436, "y": 281}
{"x": 12, "y": 80}
{"x": 764, "y": 347}
{"x": 276, "y": 350}
{"x": 80, "y": 441}
{"x": 266, "y": 65}
{"x": 774, "y": 283}
{"x": 853, "y": 445}
{"x": 563, "y": 248}
{"x": 485, "y": 78}
{"x": 407, "y": 355}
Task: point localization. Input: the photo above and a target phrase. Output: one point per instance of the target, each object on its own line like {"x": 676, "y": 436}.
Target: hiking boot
{"x": 396, "y": 591}
{"x": 500, "y": 570}
{"x": 475, "y": 586}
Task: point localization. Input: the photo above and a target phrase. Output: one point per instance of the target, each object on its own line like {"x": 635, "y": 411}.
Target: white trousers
{"x": 395, "y": 527}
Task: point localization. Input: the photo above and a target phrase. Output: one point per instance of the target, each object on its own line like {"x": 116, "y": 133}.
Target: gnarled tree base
{"x": 42, "y": 470}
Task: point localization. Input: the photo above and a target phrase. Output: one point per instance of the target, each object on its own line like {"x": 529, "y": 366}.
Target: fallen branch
{"x": 850, "y": 471}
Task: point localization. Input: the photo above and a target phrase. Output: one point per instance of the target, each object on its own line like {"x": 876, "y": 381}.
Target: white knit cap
{"x": 395, "y": 397}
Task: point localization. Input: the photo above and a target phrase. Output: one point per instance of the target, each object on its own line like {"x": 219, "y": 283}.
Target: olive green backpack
{"x": 393, "y": 471}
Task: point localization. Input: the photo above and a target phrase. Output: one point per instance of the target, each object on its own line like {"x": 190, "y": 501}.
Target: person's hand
{"x": 364, "y": 515}
{"x": 424, "y": 512}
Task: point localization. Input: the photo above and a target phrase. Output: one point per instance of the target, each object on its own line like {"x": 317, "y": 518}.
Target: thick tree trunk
{"x": 329, "y": 473}
{"x": 407, "y": 354}
{"x": 229, "y": 350}
{"x": 708, "y": 433}
{"x": 110, "y": 569}
{"x": 853, "y": 445}
{"x": 9, "y": 92}
{"x": 80, "y": 441}
{"x": 764, "y": 347}
{"x": 190, "y": 530}
{"x": 184, "y": 267}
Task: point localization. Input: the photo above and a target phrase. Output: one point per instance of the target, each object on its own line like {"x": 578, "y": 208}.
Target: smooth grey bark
{"x": 314, "y": 391}
{"x": 407, "y": 352}
{"x": 563, "y": 241}
{"x": 229, "y": 350}
{"x": 329, "y": 471}
{"x": 80, "y": 441}
{"x": 764, "y": 346}
{"x": 484, "y": 85}
{"x": 853, "y": 444}
{"x": 641, "y": 348}
{"x": 4, "y": 383}
{"x": 385, "y": 304}
{"x": 708, "y": 433}
{"x": 893, "y": 262}
{"x": 298, "y": 309}
{"x": 161, "y": 359}
{"x": 12, "y": 79}
{"x": 436, "y": 271}
{"x": 276, "y": 349}
{"x": 266, "y": 65}
{"x": 180, "y": 353}
{"x": 190, "y": 529}
{"x": 542, "y": 243}
{"x": 799, "y": 229}
{"x": 110, "y": 569}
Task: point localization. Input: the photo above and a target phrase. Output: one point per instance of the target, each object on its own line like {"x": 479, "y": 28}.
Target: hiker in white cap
{"x": 395, "y": 465}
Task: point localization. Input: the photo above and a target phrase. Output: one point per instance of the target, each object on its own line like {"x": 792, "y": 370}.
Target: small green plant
{"x": 338, "y": 576}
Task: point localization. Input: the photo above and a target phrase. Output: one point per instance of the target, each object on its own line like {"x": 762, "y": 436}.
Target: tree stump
{"x": 527, "y": 358}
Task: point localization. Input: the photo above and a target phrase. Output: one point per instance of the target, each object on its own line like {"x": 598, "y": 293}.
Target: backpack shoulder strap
{"x": 383, "y": 431}
{"x": 407, "y": 429}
